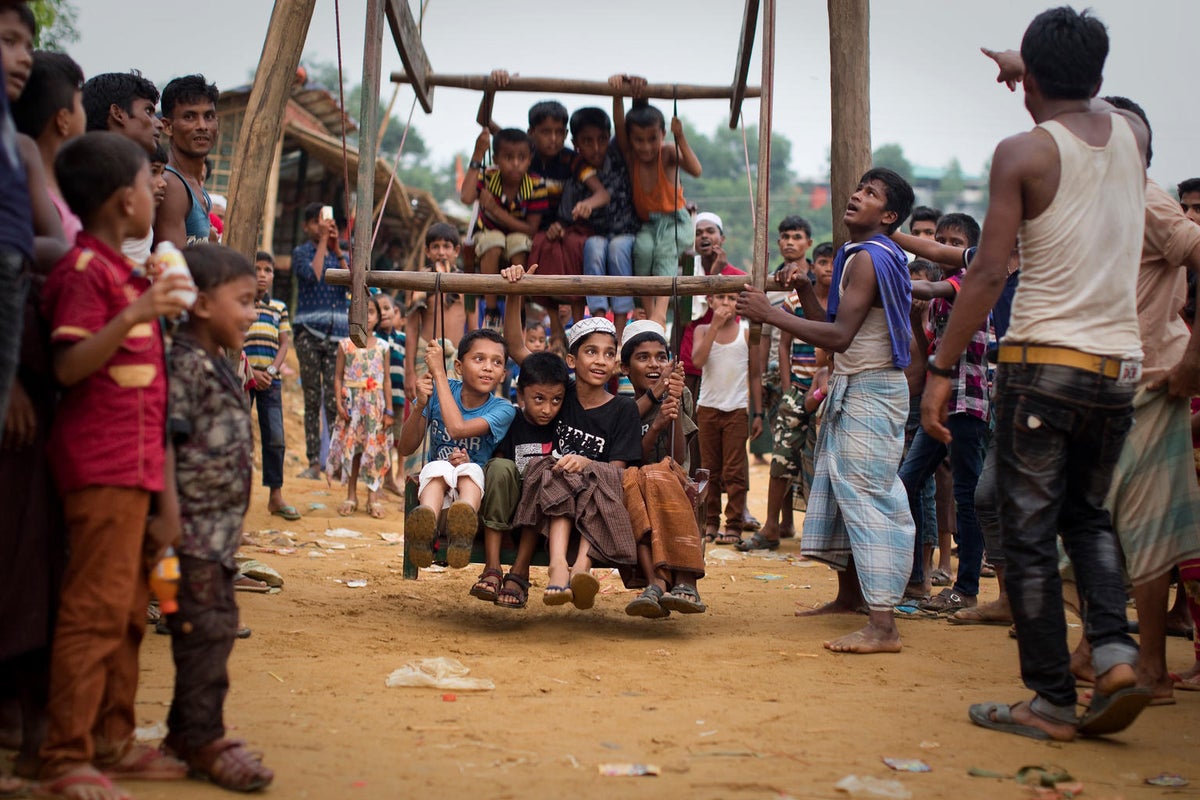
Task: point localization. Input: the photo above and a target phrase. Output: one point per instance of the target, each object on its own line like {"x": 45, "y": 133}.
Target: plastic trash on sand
{"x": 438, "y": 673}
{"x": 628, "y": 770}
{"x": 866, "y": 786}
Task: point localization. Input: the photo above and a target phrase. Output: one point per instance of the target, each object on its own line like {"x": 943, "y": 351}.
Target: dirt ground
{"x": 741, "y": 702}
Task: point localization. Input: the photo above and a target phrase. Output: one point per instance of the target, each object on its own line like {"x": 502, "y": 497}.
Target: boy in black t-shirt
{"x": 541, "y": 389}
{"x": 594, "y": 429}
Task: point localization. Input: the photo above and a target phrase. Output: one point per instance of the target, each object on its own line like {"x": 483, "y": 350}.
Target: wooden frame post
{"x": 262, "y": 126}
{"x": 367, "y": 145}
{"x": 741, "y": 70}
{"x": 762, "y": 200}
{"x": 408, "y": 41}
{"x": 850, "y": 118}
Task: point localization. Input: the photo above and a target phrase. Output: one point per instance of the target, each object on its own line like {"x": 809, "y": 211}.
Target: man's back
{"x": 1080, "y": 253}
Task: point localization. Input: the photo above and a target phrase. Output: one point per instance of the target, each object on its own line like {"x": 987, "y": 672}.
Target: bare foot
{"x": 868, "y": 640}
{"x": 1122, "y": 676}
{"x": 996, "y": 612}
{"x": 834, "y": 607}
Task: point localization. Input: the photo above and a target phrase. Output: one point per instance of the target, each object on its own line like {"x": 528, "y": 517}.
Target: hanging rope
{"x": 676, "y": 327}
{"x": 746, "y": 154}
{"x": 337, "y": 23}
{"x": 392, "y": 175}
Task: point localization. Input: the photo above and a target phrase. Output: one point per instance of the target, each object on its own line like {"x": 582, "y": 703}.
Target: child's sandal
{"x": 519, "y": 596}
{"x": 376, "y": 510}
{"x": 487, "y": 585}
{"x": 348, "y": 508}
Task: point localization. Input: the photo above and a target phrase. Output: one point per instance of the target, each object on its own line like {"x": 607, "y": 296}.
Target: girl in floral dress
{"x": 361, "y": 440}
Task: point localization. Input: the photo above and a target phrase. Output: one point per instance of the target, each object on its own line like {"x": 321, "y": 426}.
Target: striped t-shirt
{"x": 396, "y": 341}
{"x": 532, "y": 198}
{"x": 262, "y": 340}
{"x": 804, "y": 355}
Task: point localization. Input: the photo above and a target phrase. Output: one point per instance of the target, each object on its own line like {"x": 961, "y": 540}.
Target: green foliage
{"x": 951, "y": 185}
{"x": 892, "y": 157}
{"x": 56, "y": 20}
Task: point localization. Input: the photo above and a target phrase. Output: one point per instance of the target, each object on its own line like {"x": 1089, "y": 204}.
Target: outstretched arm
{"x": 687, "y": 159}
{"x": 514, "y": 329}
{"x": 930, "y": 250}
{"x": 470, "y": 188}
{"x": 927, "y": 290}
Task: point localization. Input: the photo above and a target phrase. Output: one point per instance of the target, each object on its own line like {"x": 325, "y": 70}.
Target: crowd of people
{"x": 1018, "y": 389}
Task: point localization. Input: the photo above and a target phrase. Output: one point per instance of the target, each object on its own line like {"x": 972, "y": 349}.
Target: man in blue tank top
{"x": 189, "y": 106}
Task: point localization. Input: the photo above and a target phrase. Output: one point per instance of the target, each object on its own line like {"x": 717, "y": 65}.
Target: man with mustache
{"x": 189, "y": 109}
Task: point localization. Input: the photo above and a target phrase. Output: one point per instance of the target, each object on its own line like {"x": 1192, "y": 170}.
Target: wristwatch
{"x": 274, "y": 373}
{"x": 475, "y": 165}
{"x": 939, "y": 371}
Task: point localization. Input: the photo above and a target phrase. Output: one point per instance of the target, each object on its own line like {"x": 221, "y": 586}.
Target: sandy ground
{"x": 740, "y": 702}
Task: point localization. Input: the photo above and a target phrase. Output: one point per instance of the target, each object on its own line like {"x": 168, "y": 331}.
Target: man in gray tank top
{"x": 1073, "y": 188}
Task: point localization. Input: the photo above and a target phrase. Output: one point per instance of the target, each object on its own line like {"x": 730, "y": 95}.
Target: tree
{"x": 56, "y": 20}
{"x": 950, "y": 187}
{"x": 892, "y": 157}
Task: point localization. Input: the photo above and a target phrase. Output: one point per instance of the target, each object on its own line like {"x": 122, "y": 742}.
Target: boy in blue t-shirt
{"x": 466, "y": 420}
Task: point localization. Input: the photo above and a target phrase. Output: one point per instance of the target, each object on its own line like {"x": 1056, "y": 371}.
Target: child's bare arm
{"x": 510, "y": 224}
{"x": 285, "y": 342}
{"x": 50, "y": 243}
{"x": 514, "y": 330}
{"x": 597, "y": 199}
{"x": 687, "y": 159}
{"x": 628, "y": 85}
{"x": 413, "y": 429}
{"x": 928, "y": 249}
{"x": 76, "y": 361}
{"x": 387, "y": 384}
{"x": 785, "y": 361}
{"x": 452, "y": 418}
{"x": 470, "y": 189}
{"x": 928, "y": 290}
{"x": 754, "y": 376}
{"x": 164, "y": 527}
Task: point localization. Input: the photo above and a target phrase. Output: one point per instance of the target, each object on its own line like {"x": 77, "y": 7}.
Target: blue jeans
{"x": 987, "y": 510}
{"x": 605, "y": 256}
{"x": 270, "y": 430}
{"x": 969, "y": 434}
{"x": 927, "y": 532}
{"x": 1059, "y": 432}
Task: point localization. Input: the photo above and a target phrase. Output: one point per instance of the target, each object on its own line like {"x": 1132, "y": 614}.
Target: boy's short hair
{"x": 442, "y": 232}
{"x": 118, "y": 89}
{"x": 961, "y": 222}
{"x": 25, "y": 15}
{"x": 312, "y": 211}
{"x": 263, "y": 255}
{"x": 534, "y": 325}
{"x": 464, "y": 344}
{"x": 1125, "y": 104}
{"x": 796, "y": 223}
{"x": 823, "y": 250}
{"x": 544, "y": 368}
{"x": 159, "y": 156}
{"x": 212, "y": 265}
{"x": 925, "y": 214}
{"x": 53, "y": 81}
{"x": 640, "y": 339}
{"x": 547, "y": 109}
{"x": 1064, "y": 51}
{"x": 644, "y": 115}
{"x": 510, "y": 136}
{"x": 590, "y": 117}
{"x": 899, "y": 193}
{"x": 930, "y": 270}
{"x": 93, "y": 167}
{"x": 188, "y": 89}
{"x": 1188, "y": 186}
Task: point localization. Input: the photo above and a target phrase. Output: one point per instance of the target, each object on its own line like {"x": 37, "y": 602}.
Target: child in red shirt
{"x": 109, "y": 462}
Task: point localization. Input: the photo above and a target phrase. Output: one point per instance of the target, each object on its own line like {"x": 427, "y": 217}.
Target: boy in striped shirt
{"x": 266, "y": 348}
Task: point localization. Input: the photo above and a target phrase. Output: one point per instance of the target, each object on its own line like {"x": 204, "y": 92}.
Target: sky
{"x": 932, "y": 92}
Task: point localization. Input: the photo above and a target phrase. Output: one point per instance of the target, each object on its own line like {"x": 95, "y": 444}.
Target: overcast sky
{"x": 931, "y": 90}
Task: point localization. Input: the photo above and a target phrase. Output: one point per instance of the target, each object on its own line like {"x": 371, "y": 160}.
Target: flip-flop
{"x": 461, "y": 524}
{"x": 998, "y": 717}
{"x": 287, "y": 512}
{"x": 244, "y": 583}
{"x": 584, "y": 588}
{"x": 648, "y": 604}
{"x": 83, "y": 775}
{"x": 1184, "y": 684}
{"x": 1085, "y": 698}
{"x": 419, "y": 528}
{"x": 557, "y": 595}
{"x": 1110, "y": 713}
{"x": 757, "y": 542}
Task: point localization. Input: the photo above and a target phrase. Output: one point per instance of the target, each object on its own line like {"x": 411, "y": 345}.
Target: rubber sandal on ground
{"x": 940, "y": 577}
{"x": 485, "y": 589}
{"x": 1183, "y": 684}
{"x": 81, "y": 781}
{"x": 683, "y": 598}
{"x": 244, "y": 583}
{"x": 519, "y": 596}
{"x": 287, "y": 512}
{"x": 557, "y": 595}
{"x": 647, "y": 605}
{"x": 141, "y": 762}
{"x": 729, "y": 537}
{"x": 348, "y": 508}
{"x": 757, "y": 542}
{"x": 418, "y": 535}
{"x": 1112, "y": 713}
{"x": 228, "y": 764}
{"x": 998, "y": 717}
{"x": 584, "y": 588}
{"x": 461, "y": 524}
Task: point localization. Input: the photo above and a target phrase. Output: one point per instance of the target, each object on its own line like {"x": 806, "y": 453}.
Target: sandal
{"x": 347, "y": 508}
{"x": 947, "y": 601}
{"x": 487, "y": 585}
{"x": 81, "y": 781}
{"x": 757, "y": 542}
{"x": 557, "y": 595}
{"x": 228, "y": 764}
{"x": 730, "y": 536}
{"x": 376, "y": 510}
{"x": 519, "y": 596}
{"x": 287, "y": 512}
{"x": 584, "y": 588}
{"x": 683, "y": 598}
{"x": 419, "y": 528}
{"x": 939, "y": 577}
{"x": 462, "y": 522}
{"x": 711, "y": 535}
{"x": 648, "y": 604}
{"x": 141, "y": 762}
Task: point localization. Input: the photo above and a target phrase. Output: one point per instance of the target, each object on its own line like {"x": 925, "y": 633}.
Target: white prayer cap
{"x": 589, "y": 325}
{"x": 708, "y": 216}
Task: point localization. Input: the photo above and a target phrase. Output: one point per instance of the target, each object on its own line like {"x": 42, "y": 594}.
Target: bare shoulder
{"x": 1140, "y": 131}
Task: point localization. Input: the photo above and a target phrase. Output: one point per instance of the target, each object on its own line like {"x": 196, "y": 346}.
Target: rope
{"x": 437, "y": 306}
{"x": 337, "y": 22}
{"x": 676, "y": 330}
{"x": 392, "y": 175}
{"x": 746, "y": 154}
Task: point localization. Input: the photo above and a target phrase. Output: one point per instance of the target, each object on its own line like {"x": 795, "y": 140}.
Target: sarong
{"x": 857, "y": 506}
{"x": 661, "y": 512}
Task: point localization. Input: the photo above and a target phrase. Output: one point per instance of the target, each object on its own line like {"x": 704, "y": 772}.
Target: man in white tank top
{"x": 858, "y": 519}
{"x": 1074, "y": 190}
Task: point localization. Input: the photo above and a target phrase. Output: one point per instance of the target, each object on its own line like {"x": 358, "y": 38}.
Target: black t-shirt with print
{"x": 526, "y": 441}
{"x": 611, "y": 432}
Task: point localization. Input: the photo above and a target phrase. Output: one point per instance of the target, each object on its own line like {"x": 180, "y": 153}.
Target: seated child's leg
{"x": 595, "y": 250}
{"x": 620, "y": 263}
{"x": 558, "y": 579}
{"x": 501, "y": 493}
{"x": 489, "y": 264}
{"x": 646, "y": 564}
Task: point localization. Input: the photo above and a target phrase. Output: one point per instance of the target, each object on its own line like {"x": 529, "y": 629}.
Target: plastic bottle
{"x": 164, "y": 582}
{"x": 169, "y": 261}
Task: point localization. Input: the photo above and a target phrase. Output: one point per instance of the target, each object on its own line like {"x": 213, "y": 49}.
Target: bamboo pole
{"x": 517, "y": 83}
{"x": 850, "y": 118}
{"x": 367, "y": 145}
{"x": 762, "y": 200}
{"x": 741, "y": 69}
{"x": 262, "y": 126}
{"x": 552, "y": 285}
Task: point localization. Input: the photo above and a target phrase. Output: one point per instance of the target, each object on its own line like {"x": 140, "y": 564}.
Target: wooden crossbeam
{"x": 517, "y": 83}
{"x": 741, "y": 69}
{"x": 546, "y": 285}
{"x": 408, "y": 41}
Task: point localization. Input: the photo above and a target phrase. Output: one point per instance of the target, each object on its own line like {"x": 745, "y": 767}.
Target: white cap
{"x": 640, "y": 326}
{"x": 708, "y": 216}
{"x": 589, "y": 325}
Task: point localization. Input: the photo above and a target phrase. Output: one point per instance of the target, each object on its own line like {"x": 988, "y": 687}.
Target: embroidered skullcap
{"x": 586, "y": 326}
